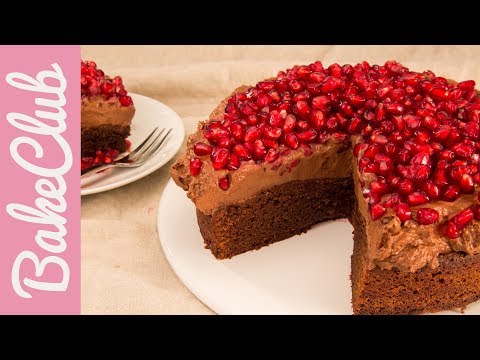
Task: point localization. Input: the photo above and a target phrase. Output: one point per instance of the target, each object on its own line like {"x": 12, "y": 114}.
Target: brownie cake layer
{"x": 276, "y": 214}
{"x": 453, "y": 284}
{"x": 104, "y": 137}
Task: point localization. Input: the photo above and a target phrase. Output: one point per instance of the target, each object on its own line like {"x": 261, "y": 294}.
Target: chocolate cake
{"x": 395, "y": 151}
{"x": 106, "y": 114}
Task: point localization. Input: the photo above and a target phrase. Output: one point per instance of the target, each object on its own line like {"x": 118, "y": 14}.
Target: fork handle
{"x": 96, "y": 170}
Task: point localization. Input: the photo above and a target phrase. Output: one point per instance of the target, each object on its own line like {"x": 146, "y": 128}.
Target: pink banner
{"x": 40, "y": 180}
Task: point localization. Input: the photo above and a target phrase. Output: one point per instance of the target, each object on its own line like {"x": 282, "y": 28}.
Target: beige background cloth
{"x": 124, "y": 270}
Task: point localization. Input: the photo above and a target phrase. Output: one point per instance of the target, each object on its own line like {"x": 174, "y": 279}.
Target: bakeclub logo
{"x": 40, "y": 186}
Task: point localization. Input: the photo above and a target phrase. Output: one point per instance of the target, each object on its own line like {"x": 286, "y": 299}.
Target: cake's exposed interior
{"x": 106, "y": 114}
{"x": 274, "y": 159}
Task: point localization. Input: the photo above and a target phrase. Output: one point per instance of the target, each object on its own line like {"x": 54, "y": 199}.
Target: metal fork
{"x": 147, "y": 149}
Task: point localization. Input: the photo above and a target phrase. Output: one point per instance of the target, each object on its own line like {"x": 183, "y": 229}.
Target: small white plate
{"x": 307, "y": 274}
{"x": 149, "y": 114}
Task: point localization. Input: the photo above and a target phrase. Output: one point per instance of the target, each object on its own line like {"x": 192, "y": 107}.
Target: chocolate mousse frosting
{"x": 407, "y": 247}
{"x": 97, "y": 111}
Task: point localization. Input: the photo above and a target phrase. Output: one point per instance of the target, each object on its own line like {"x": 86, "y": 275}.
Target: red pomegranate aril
{"x": 403, "y": 212}
{"x": 476, "y": 211}
{"x": 275, "y": 119}
{"x": 126, "y": 100}
{"x": 432, "y": 190}
{"x": 450, "y": 230}
{"x": 195, "y": 166}
{"x": 234, "y": 162}
{"x": 201, "y": 149}
{"x": 242, "y": 152}
{"x": 417, "y": 198}
{"x": 317, "y": 119}
{"x": 463, "y": 218}
{"x": 476, "y": 179}
{"x": 466, "y": 184}
{"x": 427, "y": 216}
{"x": 307, "y": 136}
{"x": 301, "y": 108}
{"x": 379, "y": 138}
{"x": 290, "y": 123}
{"x": 439, "y": 94}
{"x": 321, "y": 102}
{"x": 377, "y": 211}
{"x": 295, "y": 86}
{"x": 272, "y": 155}
{"x": 378, "y": 187}
{"x": 466, "y": 85}
{"x": 291, "y": 141}
{"x": 372, "y": 150}
{"x": 252, "y": 134}
{"x": 391, "y": 200}
{"x": 303, "y": 125}
{"x": 451, "y": 193}
{"x": 219, "y": 158}
{"x": 224, "y": 183}
{"x": 259, "y": 150}
{"x": 357, "y": 148}
{"x": 236, "y": 129}
{"x": 272, "y": 133}
{"x": 301, "y": 96}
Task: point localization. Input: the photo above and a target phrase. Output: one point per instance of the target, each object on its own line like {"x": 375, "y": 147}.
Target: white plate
{"x": 307, "y": 274}
{"x": 149, "y": 114}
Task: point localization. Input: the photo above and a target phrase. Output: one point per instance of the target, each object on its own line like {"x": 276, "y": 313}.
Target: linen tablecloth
{"x": 124, "y": 270}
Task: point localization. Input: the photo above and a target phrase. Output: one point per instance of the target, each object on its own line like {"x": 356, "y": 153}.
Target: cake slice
{"x": 106, "y": 115}
{"x": 395, "y": 151}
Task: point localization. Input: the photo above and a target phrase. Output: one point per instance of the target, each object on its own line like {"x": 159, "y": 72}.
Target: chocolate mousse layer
{"x": 105, "y": 125}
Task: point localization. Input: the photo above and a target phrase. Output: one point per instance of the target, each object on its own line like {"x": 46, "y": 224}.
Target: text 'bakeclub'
{"x": 50, "y": 185}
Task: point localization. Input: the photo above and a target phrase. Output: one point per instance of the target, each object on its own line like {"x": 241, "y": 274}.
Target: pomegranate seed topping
{"x": 476, "y": 211}
{"x": 195, "y": 166}
{"x": 463, "y": 218}
{"x": 291, "y": 141}
{"x": 451, "y": 193}
{"x": 451, "y": 231}
{"x": 201, "y": 149}
{"x": 224, "y": 183}
{"x": 220, "y": 158}
{"x": 403, "y": 212}
{"x": 377, "y": 211}
{"x": 426, "y": 216}
{"x": 272, "y": 155}
{"x": 417, "y": 198}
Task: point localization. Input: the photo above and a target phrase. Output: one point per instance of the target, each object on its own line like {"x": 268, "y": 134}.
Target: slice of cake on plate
{"x": 106, "y": 114}
{"x": 395, "y": 151}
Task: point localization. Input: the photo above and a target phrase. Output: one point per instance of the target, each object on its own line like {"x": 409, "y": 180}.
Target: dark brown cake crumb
{"x": 276, "y": 214}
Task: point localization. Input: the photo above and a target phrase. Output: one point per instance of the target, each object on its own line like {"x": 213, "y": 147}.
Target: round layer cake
{"x": 395, "y": 151}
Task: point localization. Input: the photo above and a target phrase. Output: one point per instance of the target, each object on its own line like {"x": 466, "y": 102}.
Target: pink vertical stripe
{"x": 34, "y": 223}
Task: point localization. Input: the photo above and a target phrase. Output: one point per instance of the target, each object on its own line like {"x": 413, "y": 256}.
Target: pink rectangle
{"x": 39, "y": 154}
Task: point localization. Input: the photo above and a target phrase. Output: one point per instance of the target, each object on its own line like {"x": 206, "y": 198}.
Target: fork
{"x": 146, "y": 150}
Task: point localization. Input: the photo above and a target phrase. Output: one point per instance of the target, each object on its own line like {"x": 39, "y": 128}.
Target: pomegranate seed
{"x": 272, "y": 155}
{"x": 259, "y": 150}
{"x": 466, "y": 184}
{"x": 451, "y": 231}
{"x": 476, "y": 211}
{"x": 463, "y": 218}
{"x": 451, "y": 193}
{"x": 405, "y": 187}
{"x": 431, "y": 189}
{"x": 234, "y": 162}
{"x": 224, "y": 183}
{"x": 220, "y": 158}
{"x": 320, "y": 102}
{"x": 417, "y": 198}
{"x": 427, "y": 216}
{"x": 291, "y": 141}
{"x": 377, "y": 211}
{"x": 201, "y": 149}
{"x": 195, "y": 166}
{"x": 252, "y": 134}
{"x": 242, "y": 152}
{"x": 403, "y": 212}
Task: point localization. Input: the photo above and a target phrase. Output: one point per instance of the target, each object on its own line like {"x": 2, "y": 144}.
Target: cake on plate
{"x": 395, "y": 151}
{"x": 106, "y": 115}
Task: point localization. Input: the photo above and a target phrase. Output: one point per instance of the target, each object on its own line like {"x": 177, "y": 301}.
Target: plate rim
{"x": 147, "y": 171}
